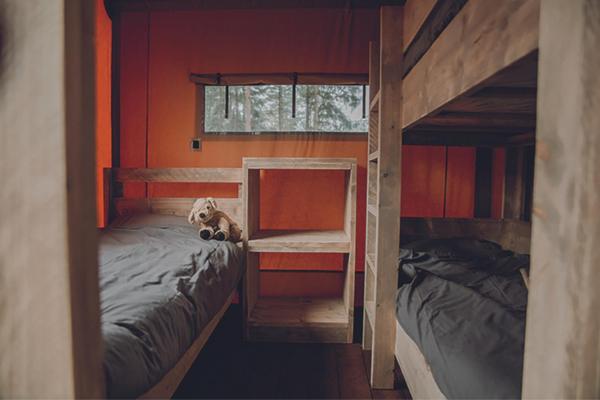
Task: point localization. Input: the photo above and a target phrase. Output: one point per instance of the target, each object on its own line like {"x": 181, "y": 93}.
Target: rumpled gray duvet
{"x": 463, "y": 303}
{"x": 160, "y": 285}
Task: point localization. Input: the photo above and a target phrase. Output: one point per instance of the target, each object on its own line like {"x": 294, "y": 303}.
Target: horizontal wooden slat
{"x": 469, "y": 121}
{"x": 175, "y": 206}
{"x": 197, "y": 175}
{"x": 514, "y": 235}
{"x": 291, "y": 241}
{"x": 484, "y": 38}
{"x": 469, "y": 139}
{"x": 299, "y": 163}
{"x": 494, "y": 100}
{"x": 438, "y": 18}
{"x": 415, "y": 13}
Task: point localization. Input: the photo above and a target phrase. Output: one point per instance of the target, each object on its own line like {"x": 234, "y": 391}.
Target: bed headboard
{"x": 511, "y": 234}
{"x": 179, "y": 206}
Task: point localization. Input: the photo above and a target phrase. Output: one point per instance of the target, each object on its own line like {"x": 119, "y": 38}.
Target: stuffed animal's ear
{"x": 212, "y": 202}
{"x": 192, "y": 217}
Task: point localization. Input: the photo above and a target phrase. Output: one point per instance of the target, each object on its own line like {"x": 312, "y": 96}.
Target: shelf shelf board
{"x": 374, "y": 156}
{"x": 375, "y": 101}
{"x": 372, "y": 209}
{"x": 298, "y": 320}
{"x": 299, "y": 163}
{"x": 293, "y": 241}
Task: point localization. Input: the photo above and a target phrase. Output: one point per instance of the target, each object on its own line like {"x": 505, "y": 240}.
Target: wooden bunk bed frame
{"x": 125, "y": 207}
{"x": 469, "y": 72}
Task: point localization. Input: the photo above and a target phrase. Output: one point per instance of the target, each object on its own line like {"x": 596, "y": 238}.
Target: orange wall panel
{"x": 460, "y": 182}
{"x": 298, "y": 284}
{"x": 423, "y": 175}
{"x": 133, "y": 85}
{"x": 103, "y": 49}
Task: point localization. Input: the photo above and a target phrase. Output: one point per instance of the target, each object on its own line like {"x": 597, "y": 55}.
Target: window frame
{"x": 203, "y": 80}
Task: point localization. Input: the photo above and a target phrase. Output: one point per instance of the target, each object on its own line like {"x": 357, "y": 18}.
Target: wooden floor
{"x": 229, "y": 368}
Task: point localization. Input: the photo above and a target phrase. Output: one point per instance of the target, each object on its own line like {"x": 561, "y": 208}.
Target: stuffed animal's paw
{"x": 220, "y": 236}
{"x": 206, "y": 233}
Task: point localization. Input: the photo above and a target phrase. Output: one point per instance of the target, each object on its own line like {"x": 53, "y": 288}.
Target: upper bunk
{"x": 470, "y": 72}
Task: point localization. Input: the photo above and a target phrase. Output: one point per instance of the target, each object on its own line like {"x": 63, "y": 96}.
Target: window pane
{"x": 268, "y": 108}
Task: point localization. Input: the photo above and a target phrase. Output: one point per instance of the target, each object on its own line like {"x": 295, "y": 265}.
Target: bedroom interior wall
{"x": 103, "y": 49}
{"x": 158, "y": 51}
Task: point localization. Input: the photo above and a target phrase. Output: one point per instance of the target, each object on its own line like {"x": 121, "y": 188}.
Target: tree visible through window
{"x": 268, "y": 108}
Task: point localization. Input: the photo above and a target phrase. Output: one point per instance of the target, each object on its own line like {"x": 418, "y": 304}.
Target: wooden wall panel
{"x": 423, "y": 176}
{"x": 460, "y": 182}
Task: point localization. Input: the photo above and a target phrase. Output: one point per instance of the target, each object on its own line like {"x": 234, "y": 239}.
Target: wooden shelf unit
{"x": 293, "y": 319}
{"x": 383, "y": 198}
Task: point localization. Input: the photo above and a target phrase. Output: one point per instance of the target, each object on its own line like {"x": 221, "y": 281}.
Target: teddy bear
{"x": 212, "y": 222}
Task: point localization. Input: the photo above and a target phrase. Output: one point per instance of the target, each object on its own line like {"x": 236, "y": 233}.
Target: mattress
{"x": 463, "y": 302}
{"x": 160, "y": 285}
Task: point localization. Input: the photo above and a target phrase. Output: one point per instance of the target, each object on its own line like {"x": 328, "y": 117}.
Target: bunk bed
{"x": 163, "y": 289}
{"x": 466, "y": 74}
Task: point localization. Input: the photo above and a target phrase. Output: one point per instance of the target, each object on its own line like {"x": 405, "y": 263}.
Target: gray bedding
{"x": 160, "y": 285}
{"x": 463, "y": 303}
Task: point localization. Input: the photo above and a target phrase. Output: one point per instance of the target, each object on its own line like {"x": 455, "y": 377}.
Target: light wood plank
{"x": 290, "y": 241}
{"x": 299, "y": 163}
{"x": 415, "y": 13}
{"x": 350, "y": 258}
{"x": 50, "y": 337}
{"x": 415, "y": 369}
{"x": 298, "y": 320}
{"x": 208, "y": 175}
{"x": 179, "y": 206}
{"x": 165, "y": 388}
{"x": 388, "y": 197}
{"x": 251, "y": 199}
{"x": 564, "y": 302}
{"x": 481, "y": 40}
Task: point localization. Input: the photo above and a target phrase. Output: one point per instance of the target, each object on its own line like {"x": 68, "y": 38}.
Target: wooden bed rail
{"x": 183, "y": 175}
{"x": 167, "y": 205}
{"x": 511, "y": 234}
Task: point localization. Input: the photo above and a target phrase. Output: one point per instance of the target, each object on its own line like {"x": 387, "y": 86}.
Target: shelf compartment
{"x": 298, "y": 319}
{"x": 293, "y": 241}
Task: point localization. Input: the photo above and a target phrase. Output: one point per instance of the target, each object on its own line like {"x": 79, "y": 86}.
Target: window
{"x": 270, "y": 108}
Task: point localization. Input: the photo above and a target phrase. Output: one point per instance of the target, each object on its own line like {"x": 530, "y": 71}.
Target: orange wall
{"x": 103, "y": 46}
{"x": 159, "y": 50}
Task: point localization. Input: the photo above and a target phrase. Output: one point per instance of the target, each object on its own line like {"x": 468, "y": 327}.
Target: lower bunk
{"x": 163, "y": 291}
{"x": 460, "y": 311}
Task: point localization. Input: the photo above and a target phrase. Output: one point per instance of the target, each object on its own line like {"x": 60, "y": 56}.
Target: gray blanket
{"x": 463, "y": 303}
{"x": 160, "y": 285}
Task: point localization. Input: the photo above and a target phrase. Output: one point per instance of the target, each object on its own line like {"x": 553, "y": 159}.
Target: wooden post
{"x": 562, "y": 345}
{"x": 50, "y": 337}
{"x": 388, "y": 199}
